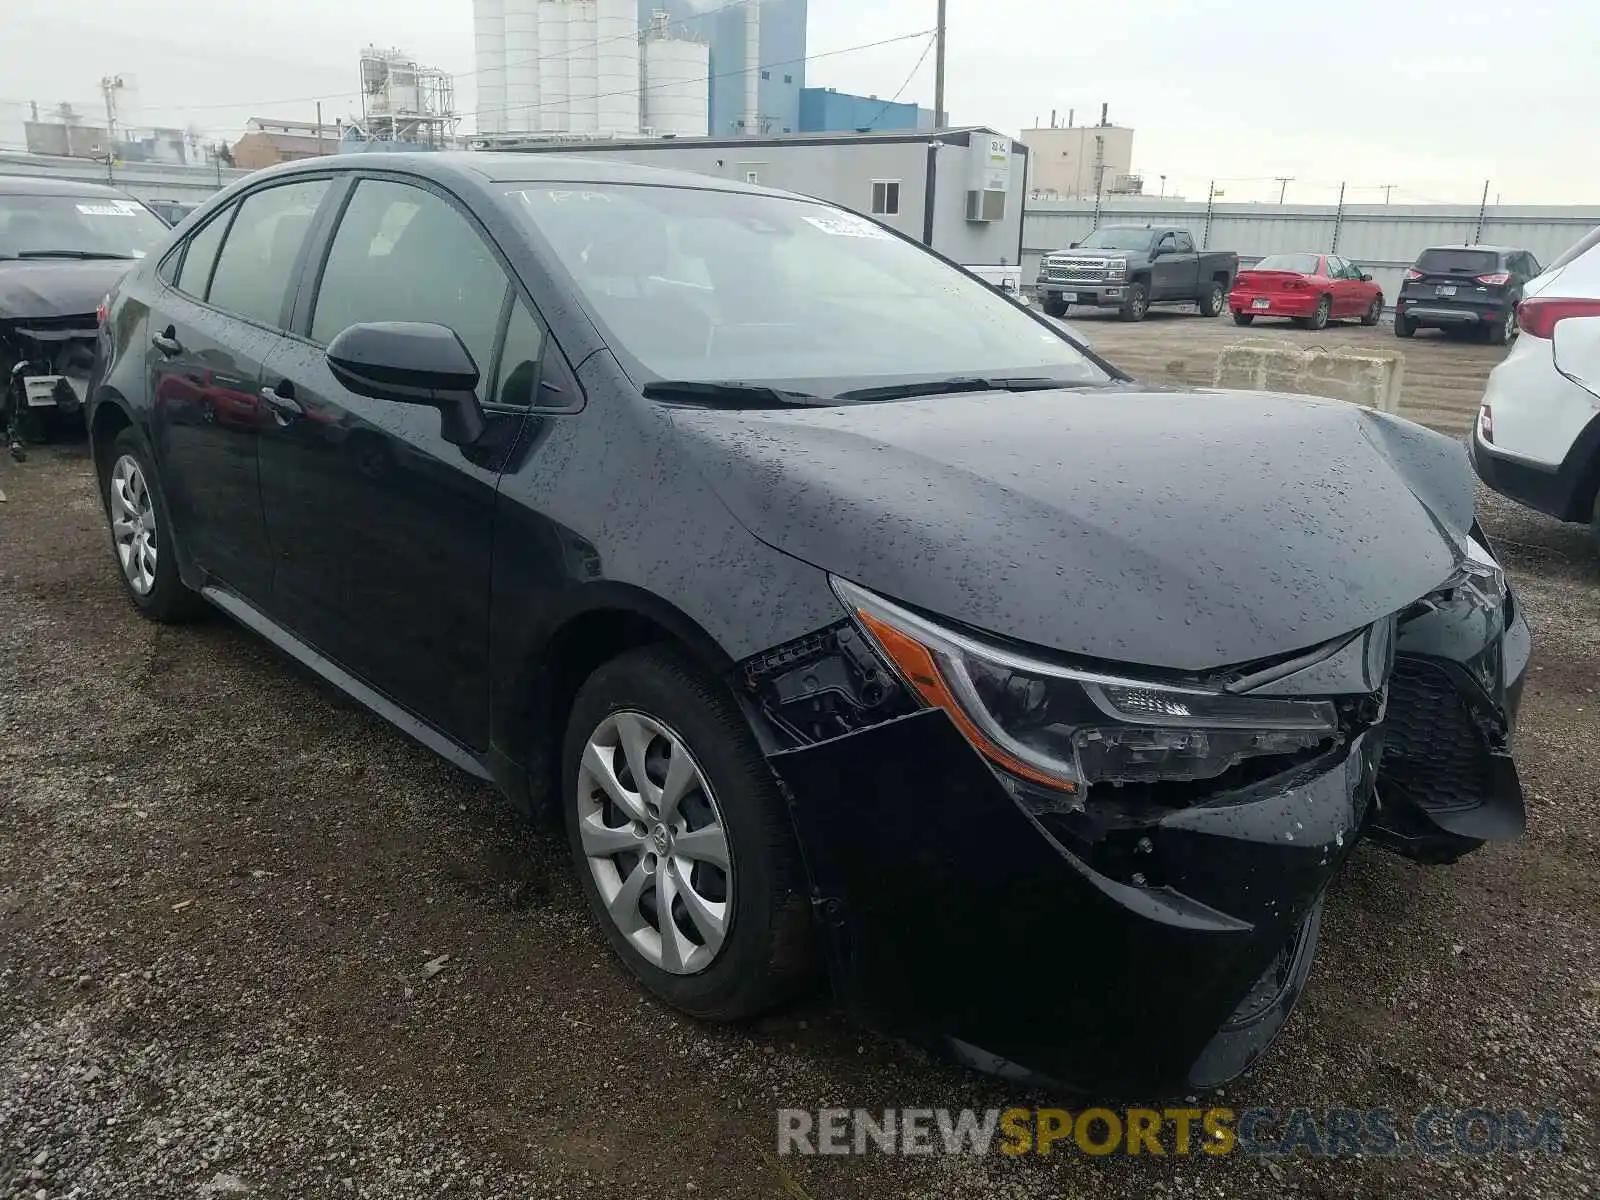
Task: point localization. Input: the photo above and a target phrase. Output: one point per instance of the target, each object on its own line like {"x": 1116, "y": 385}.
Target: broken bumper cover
{"x": 953, "y": 918}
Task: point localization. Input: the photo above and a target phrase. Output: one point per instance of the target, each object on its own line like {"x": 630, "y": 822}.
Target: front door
{"x": 382, "y": 530}
{"x": 211, "y": 331}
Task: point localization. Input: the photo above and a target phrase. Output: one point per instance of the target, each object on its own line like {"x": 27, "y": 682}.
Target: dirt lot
{"x": 220, "y": 882}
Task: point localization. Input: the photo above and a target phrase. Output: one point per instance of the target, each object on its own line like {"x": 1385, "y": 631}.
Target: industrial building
{"x": 757, "y": 60}
{"x": 578, "y": 69}
{"x": 959, "y": 191}
{"x": 828, "y": 110}
{"x": 1077, "y": 162}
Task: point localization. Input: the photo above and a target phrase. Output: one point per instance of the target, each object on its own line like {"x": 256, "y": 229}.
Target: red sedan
{"x": 1311, "y": 289}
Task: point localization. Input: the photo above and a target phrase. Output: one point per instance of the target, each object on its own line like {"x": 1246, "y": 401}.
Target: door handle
{"x": 284, "y": 407}
{"x": 167, "y": 342}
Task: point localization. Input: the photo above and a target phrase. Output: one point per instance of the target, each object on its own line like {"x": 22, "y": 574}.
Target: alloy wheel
{"x": 133, "y": 524}
{"x": 656, "y": 843}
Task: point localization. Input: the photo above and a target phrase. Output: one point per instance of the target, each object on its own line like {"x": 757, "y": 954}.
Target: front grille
{"x": 1433, "y": 750}
{"x": 1068, "y": 270}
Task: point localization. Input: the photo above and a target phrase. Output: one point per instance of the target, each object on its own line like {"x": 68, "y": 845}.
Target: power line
{"x": 901, "y": 89}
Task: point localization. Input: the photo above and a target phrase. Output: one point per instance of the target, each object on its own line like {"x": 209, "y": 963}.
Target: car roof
{"x": 1485, "y": 249}
{"x": 35, "y": 185}
{"x": 510, "y": 167}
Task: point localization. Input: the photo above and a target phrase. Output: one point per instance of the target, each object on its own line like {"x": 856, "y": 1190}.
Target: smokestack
{"x": 1104, "y": 109}
{"x": 1070, "y": 113}
{"x": 1052, "y": 118}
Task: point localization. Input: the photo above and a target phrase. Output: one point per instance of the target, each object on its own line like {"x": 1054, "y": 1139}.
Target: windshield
{"x": 1118, "y": 239}
{"x": 90, "y": 226}
{"x": 1459, "y": 262}
{"x": 1302, "y": 264}
{"x": 717, "y": 287}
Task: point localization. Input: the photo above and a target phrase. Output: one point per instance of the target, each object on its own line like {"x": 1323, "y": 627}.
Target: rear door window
{"x": 201, "y": 254}
{"x": 258, "y": 260}
{"x": 1465, "y": 261}
{"x": 403, "y": 253}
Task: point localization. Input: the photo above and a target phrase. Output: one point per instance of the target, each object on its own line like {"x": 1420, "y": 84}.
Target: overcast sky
{"x": 1434, "y": 96}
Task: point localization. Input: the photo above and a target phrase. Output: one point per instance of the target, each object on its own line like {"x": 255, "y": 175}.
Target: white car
{"x": 1537, "y": 439}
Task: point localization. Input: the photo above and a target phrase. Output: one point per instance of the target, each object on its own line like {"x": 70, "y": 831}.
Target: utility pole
{"x": 1163, "y": 187}
{"x": 938, "y": 70}
{"x": 1283, "y": 182}
{"x": 110, "y": 85}
{"x": 1211, "y": 201}
{"x": 1338, "y": 221}
{"x": 1483, "y": 208}
{"x": 319, "y": 128}
{"x": 1099, "y": 174}
{"x": 1387, "y": 188}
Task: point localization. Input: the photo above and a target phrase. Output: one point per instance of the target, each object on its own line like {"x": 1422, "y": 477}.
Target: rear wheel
{"x": 1504, "y": 330}
{"x": 1137, "y": 303}
{"x": 1243, "y": 318}
{"x": 1374, "y": 311}
{"x": 1215, "y": 301}
{"x": 1055, "y": 308}
{"x": 1404, "y": 327}
{"x": 1319, "y": 318}
{"x": 141, "y": 535}
{"x": 684, "y": 849}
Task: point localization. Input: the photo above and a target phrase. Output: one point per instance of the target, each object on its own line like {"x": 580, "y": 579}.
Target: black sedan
{"x": 846, "y": 614}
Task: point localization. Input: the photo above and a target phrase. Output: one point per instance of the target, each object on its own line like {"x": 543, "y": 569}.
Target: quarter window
{"x": 258, "y": 259}
{"x": 201, "y": 254}
{"x": 517, "y": 381}
{"x": 404, "y": 254}
{"x": 885, "y": 197}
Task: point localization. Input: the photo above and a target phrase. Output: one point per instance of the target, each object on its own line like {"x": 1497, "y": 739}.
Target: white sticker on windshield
{"x": 117, "y": 208}
{"x": 847, "y": 225}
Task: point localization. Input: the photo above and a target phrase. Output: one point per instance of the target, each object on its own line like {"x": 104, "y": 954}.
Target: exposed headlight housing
{"x": 1064, "y": 728}
{"x": 1483, "y": 574}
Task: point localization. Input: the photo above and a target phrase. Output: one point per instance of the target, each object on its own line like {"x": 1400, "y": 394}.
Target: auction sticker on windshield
{"x": 117, "y": 208}
{"x": 844, "y": 225}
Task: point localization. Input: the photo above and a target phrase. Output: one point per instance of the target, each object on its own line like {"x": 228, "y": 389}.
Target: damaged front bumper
{"x": 1164, "y": 955}
{"x": 952, "y": 917}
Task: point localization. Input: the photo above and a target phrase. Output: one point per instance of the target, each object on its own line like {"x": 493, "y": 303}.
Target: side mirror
{"x": 1074, "y": 246}
{"x": 412, "y": 363}
{"x": 1158, "y": 250}
{"x": 1366, "y": 279}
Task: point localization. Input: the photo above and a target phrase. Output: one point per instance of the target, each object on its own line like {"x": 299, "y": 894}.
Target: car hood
{"x": 1178, "y": 530}
{"x": 49, "y": 287}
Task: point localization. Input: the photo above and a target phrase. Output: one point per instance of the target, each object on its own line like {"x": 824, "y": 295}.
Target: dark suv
{"x": 1470, "y": 289}
{"x": 844, "y": 610}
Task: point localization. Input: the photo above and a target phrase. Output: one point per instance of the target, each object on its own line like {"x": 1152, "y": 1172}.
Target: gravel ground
{"x": 221, "y": 885}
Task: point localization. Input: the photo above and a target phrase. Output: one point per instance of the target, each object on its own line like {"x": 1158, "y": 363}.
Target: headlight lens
{"x": 1064, "y": 728}
{"x": 1483, "y": 574}
{"x": 1117, "y": 269}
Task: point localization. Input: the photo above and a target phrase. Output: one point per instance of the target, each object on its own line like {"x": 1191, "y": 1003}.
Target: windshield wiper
{"x": 734, "y": 395}
{"x": 970, "y": 383}
{"x": 73, "y": 254}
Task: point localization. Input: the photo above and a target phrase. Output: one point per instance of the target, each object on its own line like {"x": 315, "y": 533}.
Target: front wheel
{"x": 141, "y": 535}
{"x": 1055, "y": 308}
{"x": 1374, "y": 311}
{"x": 684, "y": 849}
{"x": 1243, "y": 318}
{"x": 1137, "y": 303}
{"x": 1214, "y": 302}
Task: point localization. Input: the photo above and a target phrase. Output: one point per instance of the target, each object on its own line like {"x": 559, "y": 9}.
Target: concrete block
{"x": 1371, "y": 378}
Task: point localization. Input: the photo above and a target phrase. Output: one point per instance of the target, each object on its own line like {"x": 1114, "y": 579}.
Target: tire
{"x": 141, "y": 531}
{"x": 1137, "y": 303}
{"x": 1055, "y": 308}
{"x": 1374, "y": 312}
{"x": 1244, "y": 318}
{"x": 1404, "y": 327}
{"x": 1319, "y": 318}
{"x": 1594, "y": 523}
{"x": 1215, "y": 302}
{"x": 1502, "y": 333}
{"x": 768, "y": 950}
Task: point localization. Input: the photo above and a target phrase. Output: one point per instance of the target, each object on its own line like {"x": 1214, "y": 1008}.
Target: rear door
{"x": 381, "y": 529}
{"x": 212, "y": 329}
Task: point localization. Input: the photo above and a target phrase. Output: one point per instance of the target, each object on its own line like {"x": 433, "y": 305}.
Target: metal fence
{"x": 1383, "y": 238}
{"x": 146, "y": 180}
